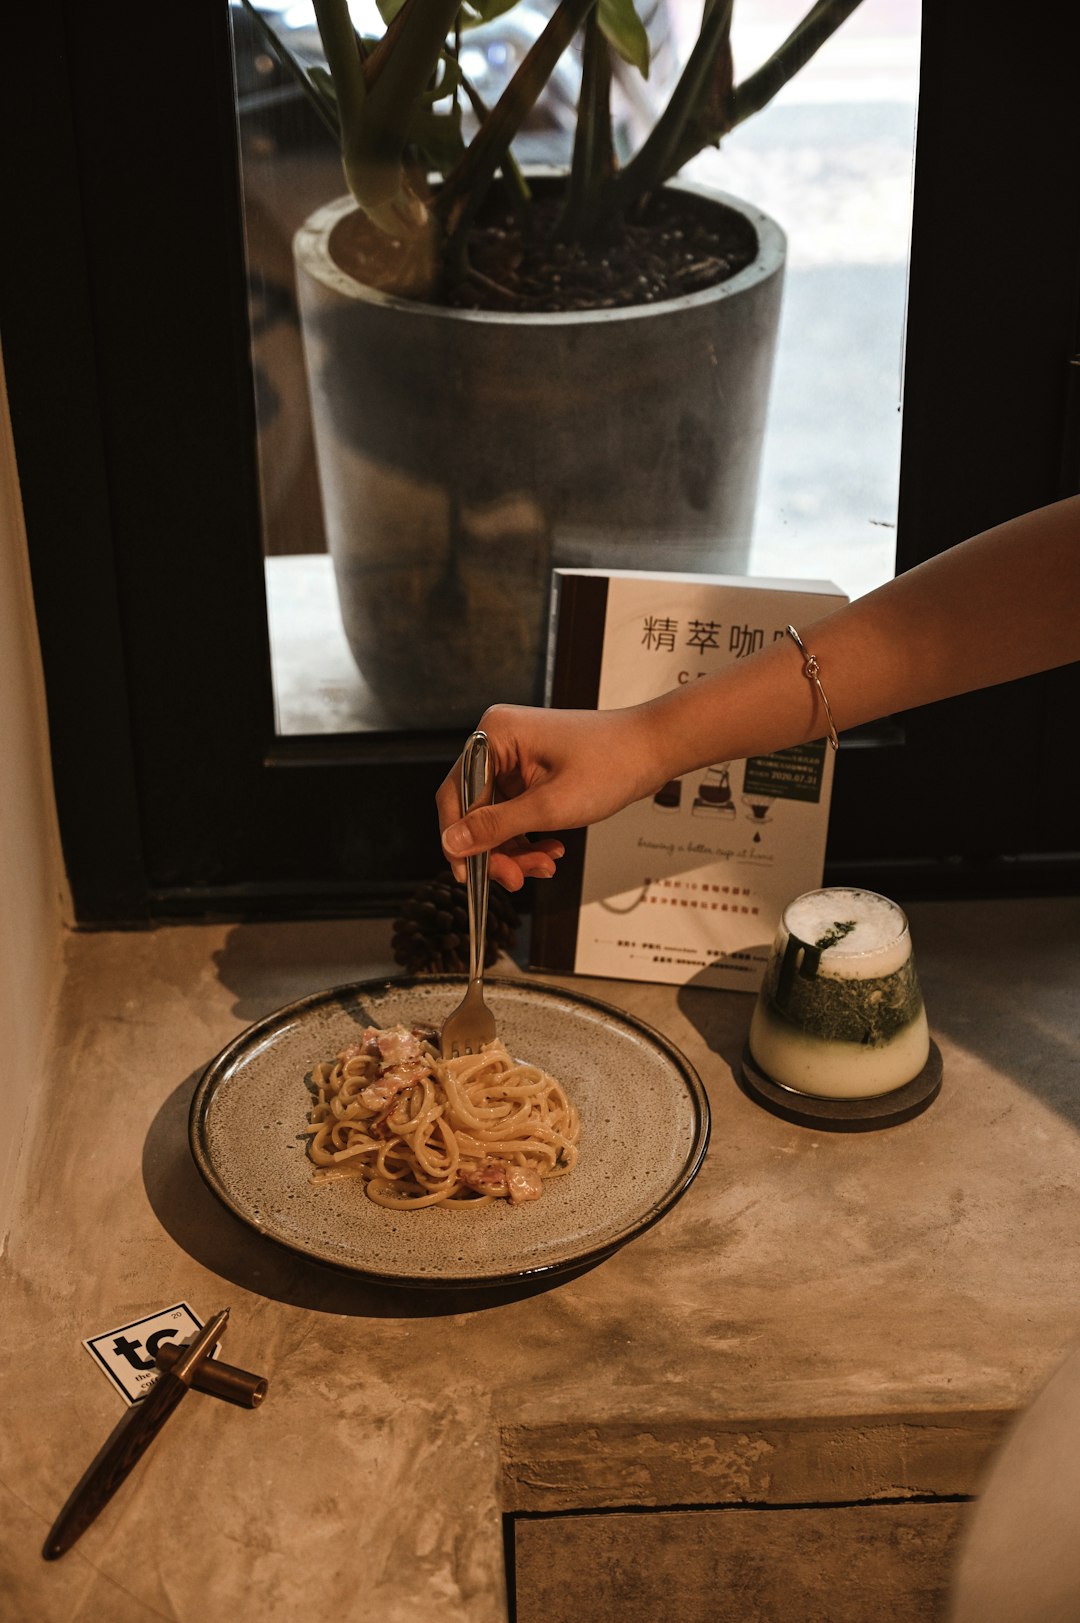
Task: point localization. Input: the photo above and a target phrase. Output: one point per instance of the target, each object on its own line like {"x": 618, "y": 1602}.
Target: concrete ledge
{"x": 786, "y": 1461}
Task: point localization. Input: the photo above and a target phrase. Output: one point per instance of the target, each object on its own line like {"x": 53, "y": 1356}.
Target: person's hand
{"x": 552, "y": 770}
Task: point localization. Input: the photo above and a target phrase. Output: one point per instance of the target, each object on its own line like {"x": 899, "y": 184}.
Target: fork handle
{"x": 475, "y": 792}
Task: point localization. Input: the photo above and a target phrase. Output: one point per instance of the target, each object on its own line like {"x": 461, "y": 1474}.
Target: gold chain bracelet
{"x": 811, "y": 671}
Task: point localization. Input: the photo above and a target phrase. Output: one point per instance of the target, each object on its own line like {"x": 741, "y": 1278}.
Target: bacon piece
{"x": 524, "y": 1183}
{"x": 397, "y": 1044}
{"x": 377, "y": 1095}
{"x": 368, "y": 1044}
{"x": 492, "y": 1177}
{"x": 488, "y": 1178}
{"x": 407, "y": 1071}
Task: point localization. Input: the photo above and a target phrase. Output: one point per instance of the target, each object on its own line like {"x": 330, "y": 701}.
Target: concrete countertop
{"x": 909, "y": 1288}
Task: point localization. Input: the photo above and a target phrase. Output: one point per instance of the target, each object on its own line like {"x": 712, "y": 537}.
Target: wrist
{"x": 671, "y": 743}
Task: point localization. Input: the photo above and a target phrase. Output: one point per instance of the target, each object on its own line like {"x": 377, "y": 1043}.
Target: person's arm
{"x": 1003, "y": 605}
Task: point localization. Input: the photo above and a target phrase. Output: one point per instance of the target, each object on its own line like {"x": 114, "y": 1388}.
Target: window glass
{"x": 829, "y": 160}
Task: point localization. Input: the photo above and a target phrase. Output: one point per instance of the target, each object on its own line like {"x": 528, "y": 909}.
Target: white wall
{"x": 34, "y": 899}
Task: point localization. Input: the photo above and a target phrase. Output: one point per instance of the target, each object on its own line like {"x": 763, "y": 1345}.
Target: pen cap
{"x": 220, "y": 1380}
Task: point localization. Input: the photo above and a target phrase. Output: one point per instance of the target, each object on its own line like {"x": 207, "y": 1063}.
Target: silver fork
{"x": 472, "y": 1023}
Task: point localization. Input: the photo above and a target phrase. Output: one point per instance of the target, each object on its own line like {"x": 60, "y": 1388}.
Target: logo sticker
{"x": 126, "y": 1355}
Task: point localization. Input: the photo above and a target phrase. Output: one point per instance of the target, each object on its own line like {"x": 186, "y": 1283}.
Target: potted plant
{"x": 513, "y": 371}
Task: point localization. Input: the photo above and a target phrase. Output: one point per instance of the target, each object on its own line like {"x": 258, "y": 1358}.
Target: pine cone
{"x": 431, "y": 935}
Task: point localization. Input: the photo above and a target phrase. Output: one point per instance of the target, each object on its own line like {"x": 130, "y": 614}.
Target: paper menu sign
{"x": 690, "y": 884}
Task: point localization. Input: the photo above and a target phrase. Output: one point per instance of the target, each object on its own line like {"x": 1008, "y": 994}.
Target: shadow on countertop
{"x": 266, "y": 966}
{"x": 721, "y": 1019}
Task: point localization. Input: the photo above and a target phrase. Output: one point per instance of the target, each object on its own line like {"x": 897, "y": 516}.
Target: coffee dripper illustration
{"x": 714, "y": 797}
{"x": 758, "y": 807}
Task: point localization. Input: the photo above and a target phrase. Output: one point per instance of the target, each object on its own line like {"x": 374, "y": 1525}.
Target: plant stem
{"x": 343, "y": 60}
{"x": 593, "y": 160}
{"x": 664, "y": 152}
{"x": 377, "y": 120}
{"x": 466, "y": 186}
{"x": 517, "y": 187}
{"x": 791, "y": 57}
{"x": 697, "y": 117}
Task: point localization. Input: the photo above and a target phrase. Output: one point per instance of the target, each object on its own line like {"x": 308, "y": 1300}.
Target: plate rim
{"x": 213, "y": 1074}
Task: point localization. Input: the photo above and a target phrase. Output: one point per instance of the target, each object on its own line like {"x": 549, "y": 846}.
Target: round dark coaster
{"x": 844, "y": 1115}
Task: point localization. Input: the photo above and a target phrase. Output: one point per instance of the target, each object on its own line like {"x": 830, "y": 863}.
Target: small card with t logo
{"x": 126, "y": 1355}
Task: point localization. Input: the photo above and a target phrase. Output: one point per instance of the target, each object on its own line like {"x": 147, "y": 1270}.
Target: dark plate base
{"x": 844, "y": 1115}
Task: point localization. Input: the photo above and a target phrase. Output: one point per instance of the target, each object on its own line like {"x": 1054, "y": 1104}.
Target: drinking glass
{"x": 840, "y": 1013}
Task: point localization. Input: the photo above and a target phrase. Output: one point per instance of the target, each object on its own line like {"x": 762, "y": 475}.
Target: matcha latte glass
{"x": 840, "y": 1014}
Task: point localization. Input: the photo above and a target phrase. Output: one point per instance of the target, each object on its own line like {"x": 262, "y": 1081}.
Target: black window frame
{"x": 123, "y": 314}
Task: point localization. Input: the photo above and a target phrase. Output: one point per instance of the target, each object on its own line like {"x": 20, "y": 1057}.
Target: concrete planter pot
{"x": 462, "y": 455}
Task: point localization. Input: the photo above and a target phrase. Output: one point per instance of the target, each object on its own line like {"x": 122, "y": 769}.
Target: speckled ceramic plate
{"x": 644, "y": 1131}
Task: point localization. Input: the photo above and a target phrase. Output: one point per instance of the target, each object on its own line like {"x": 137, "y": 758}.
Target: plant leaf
{"x": 625, "y": 33}
{"x": 485, "y": 11}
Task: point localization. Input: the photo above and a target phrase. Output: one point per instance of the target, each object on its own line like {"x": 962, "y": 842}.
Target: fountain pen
{"x": 129, "y": 1441}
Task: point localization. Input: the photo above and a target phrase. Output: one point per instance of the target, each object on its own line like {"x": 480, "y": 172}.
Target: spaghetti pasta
{"x": 424, "y": 1131}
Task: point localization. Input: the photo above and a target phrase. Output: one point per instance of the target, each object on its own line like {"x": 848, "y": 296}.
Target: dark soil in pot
{"x": 521, "y": 266}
